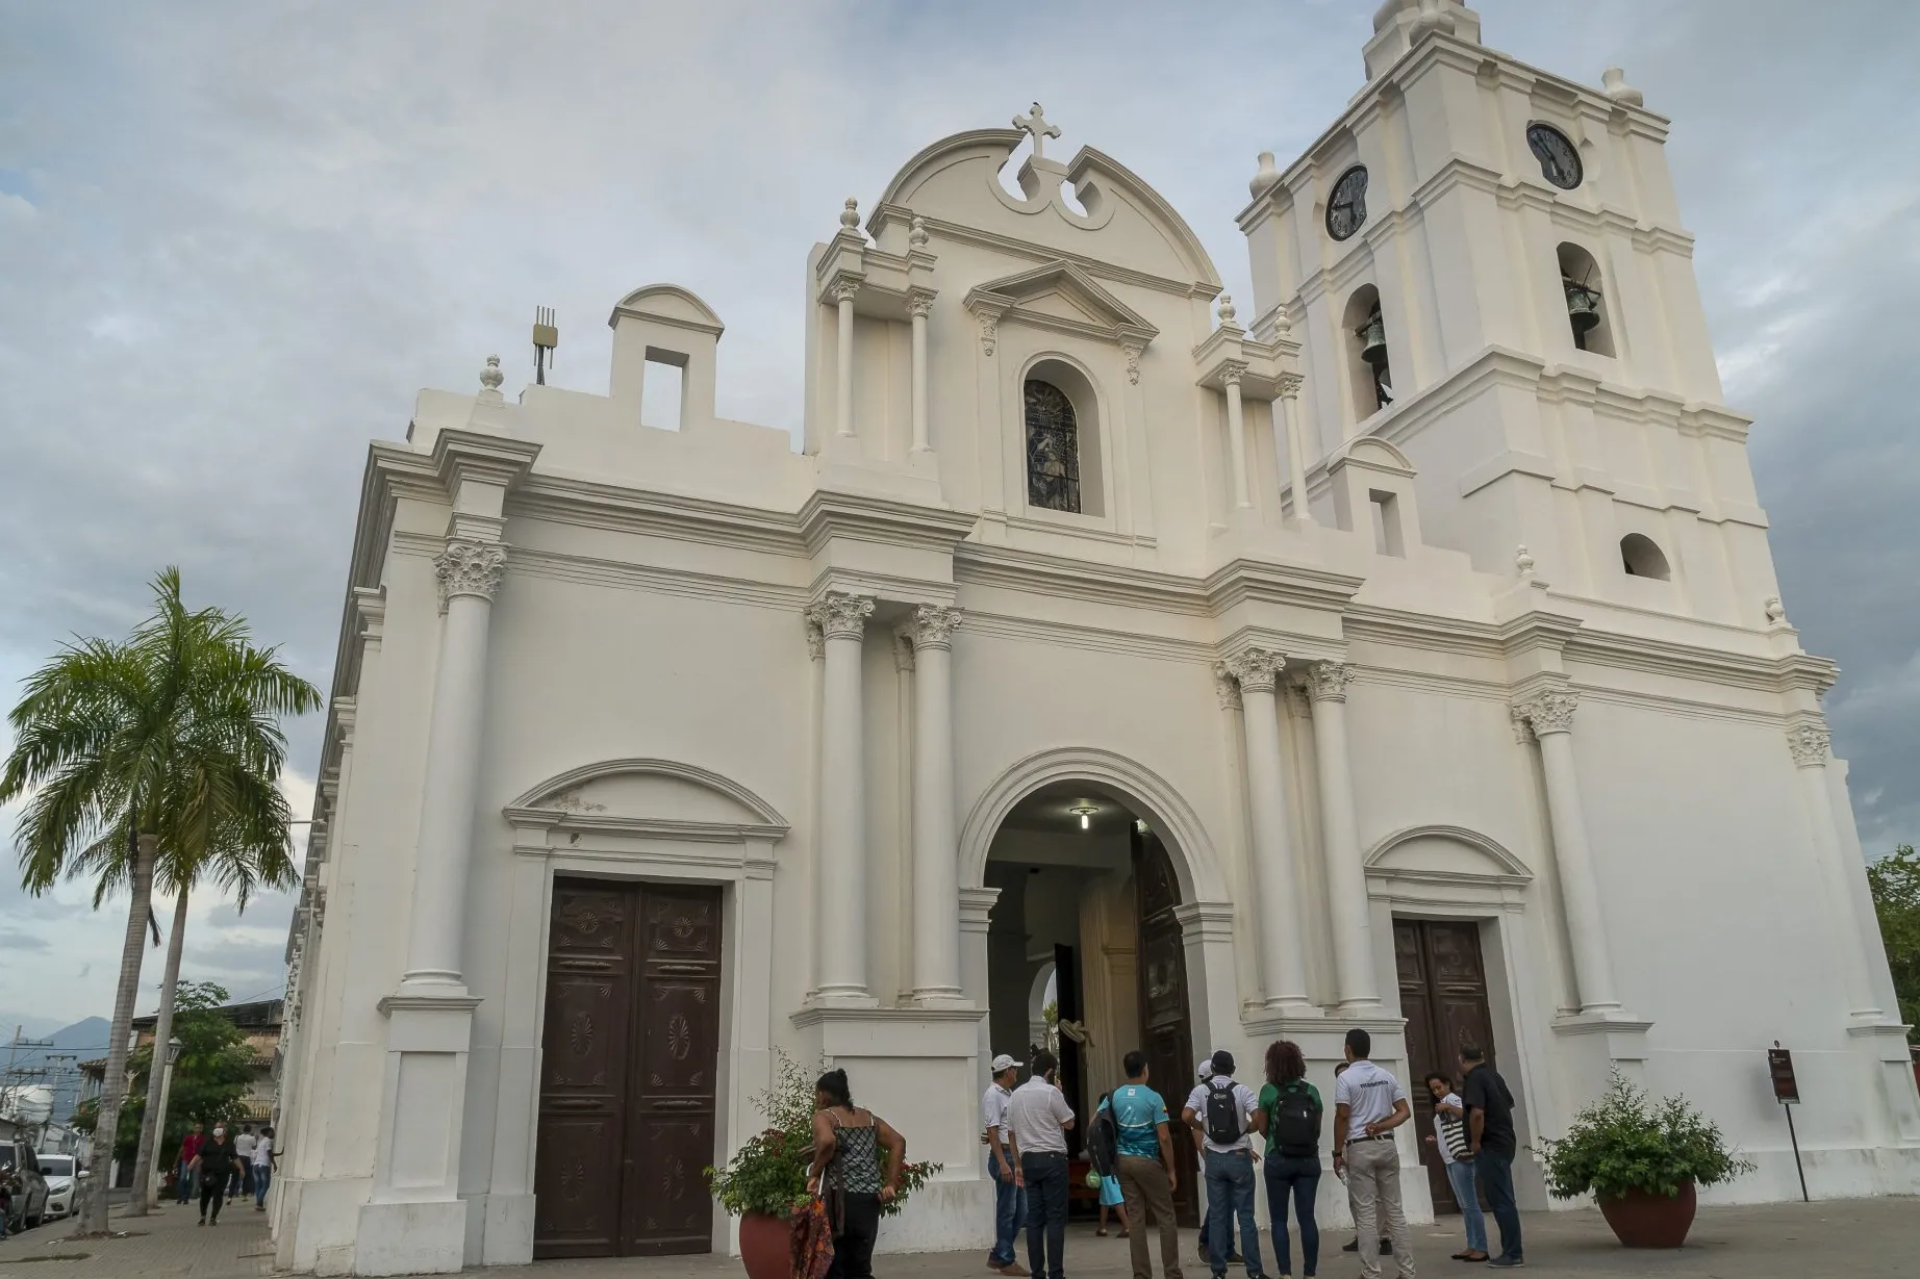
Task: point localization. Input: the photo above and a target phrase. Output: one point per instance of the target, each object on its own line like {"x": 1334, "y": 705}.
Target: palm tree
{"x": 248, "y": 852}
{"x": 171, "y": 736}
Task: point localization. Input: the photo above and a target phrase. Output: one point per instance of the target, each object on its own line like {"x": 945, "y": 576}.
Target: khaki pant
{"x": 1147, "y": 1190}
{"x": 1373, "y": 1188}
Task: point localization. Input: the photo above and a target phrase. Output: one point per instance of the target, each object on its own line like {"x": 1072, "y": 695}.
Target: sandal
{"x": 1101, "y": 1233}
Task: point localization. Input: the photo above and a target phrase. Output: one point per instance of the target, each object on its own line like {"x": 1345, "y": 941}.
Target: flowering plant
{"x": 768, "y": 1174}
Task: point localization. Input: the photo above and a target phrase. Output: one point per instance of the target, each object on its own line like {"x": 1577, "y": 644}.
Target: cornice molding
{"x": 835, "y": 513}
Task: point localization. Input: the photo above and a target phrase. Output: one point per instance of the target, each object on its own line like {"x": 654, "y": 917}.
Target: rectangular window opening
{"x": 1386, "y": 524}
{"x": 662, "y": 386}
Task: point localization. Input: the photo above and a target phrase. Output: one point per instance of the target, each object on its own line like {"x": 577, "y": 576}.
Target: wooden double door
{"x": 1166, "y": 1028}
{"x": 1443, "y": 996}
{"x": 628, "y": 1069}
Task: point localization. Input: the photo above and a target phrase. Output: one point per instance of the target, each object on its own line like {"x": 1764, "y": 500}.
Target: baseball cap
{"x": 1004, "y": 1062}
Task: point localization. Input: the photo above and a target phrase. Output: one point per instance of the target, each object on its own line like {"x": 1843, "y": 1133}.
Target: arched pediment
{"x": 627, "y": 794}
{"x": 1377, "y": 454}
{"x": 1125, "y": 222}
{"x": 672, "y": 304}
{"x": 1446, "y": 853}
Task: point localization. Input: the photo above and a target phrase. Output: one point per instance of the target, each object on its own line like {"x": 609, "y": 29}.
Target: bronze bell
{"x": 1373, "y": 340}
{"x": 1583, "y": 307}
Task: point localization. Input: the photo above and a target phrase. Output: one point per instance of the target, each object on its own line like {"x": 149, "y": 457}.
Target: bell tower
{"x": 1484, "y": 265}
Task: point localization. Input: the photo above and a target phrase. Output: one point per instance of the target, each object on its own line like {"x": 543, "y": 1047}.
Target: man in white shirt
{"x": 1369, "y": 1104}
{"x": 1003, "y": 1159}
{"x": 243, "y": 1174}
{"x": 1038, "y": 1117}
{"x": 1226, "y": 1114}
{"x": 262, "y": 1168}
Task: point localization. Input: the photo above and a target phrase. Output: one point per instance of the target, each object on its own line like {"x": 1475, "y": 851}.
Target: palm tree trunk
{"x": 113, "y": 1090}
{"x": 150, "y": 1136}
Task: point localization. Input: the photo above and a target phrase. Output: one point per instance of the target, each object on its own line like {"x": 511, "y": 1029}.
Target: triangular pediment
{"x": 1061, "y": 296}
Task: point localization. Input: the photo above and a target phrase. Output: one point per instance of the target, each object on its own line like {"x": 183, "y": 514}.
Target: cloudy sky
{"x": 235, "y": 238}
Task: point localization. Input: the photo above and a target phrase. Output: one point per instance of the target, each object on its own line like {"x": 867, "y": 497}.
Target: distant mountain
{"x": 57, "y": 1065}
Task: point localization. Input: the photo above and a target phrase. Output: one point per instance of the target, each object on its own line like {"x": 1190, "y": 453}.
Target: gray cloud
{"x": 14, "y": 940}
{"x": 236, "y": 238}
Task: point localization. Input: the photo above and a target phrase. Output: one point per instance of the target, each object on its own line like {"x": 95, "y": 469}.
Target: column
{"x": 936, "y": 872}
{"x": 1230, "y": 374}
{"x": 919, "y": 306}
{"x": 1551, "y": 716}
{"x": 1809, "y": 743}
{"x": 1346, "y": 877}
{"x": 1296, "y": 452}
{"x": 840, "y": 884}
{"x": 1276, "y": 885}
{"x": 843, "y": 293}
{"x": 469, "y": 574}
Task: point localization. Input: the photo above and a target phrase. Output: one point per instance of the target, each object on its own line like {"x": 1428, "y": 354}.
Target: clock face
{"x": 1348, "y": 207}
{"x": 1559, "y": 161}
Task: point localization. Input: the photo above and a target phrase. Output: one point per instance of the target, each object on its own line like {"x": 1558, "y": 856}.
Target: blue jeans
{"x": 1046, "y": 1176}
{"x": 1300, "y": 1179}
{"x": 1467, "y": 1195}
{"x": 262, "y": 1178}
{"x": 1494, "y": 1168}
{"x": 185, "y": 1186}
{"x": 1009, "y": 1211}
{"x": 1230, "y": 1195}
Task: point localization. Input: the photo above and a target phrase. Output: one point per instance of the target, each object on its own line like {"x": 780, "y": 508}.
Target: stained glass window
{"x": 1053, "y": 449}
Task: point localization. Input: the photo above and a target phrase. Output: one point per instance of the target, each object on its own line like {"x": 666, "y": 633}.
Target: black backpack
{"x": 1294, "y": 1125}
{"x": 1103, "y": 1143}
{"x": 1225, "y": 1124}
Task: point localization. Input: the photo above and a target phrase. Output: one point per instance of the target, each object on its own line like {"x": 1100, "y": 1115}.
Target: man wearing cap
{"x": 1225, "y": 1113}
{"x": 1003, "y": 1156}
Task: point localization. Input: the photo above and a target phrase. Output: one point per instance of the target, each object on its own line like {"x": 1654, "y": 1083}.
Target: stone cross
{"x": 1036, "y": 123}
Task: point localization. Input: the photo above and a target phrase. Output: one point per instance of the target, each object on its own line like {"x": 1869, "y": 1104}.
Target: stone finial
{"x": 491, "y": 377}
{"x": 1614, "y": 82}
{"x": 1228, "y": 312}
{"x": 850, "y": 215}
{"x": 917, "y": 236}
{"x": 1523, "y": 562}
{"x": 1433, "y": 18}
{"x": 1267, "y": 175}
{"x": 1776, "y": 611}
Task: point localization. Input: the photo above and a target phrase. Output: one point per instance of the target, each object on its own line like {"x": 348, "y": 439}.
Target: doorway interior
{"x": 1085, "y": 926}
{"x": 628, "y": 1070}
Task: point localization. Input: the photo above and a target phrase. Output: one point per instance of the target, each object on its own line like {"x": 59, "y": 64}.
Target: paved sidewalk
{"x": 1859, "y": 1239}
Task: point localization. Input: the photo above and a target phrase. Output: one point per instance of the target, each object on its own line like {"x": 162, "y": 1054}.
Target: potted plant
{"x": 1641, "y": 1162}
{"x": 766, "y": 1180}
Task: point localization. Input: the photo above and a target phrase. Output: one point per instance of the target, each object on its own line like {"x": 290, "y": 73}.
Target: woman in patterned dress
{"x": 847, "y": 1175}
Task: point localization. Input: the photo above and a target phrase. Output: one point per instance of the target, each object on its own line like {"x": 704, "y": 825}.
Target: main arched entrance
{"x": 1087, "y": 911}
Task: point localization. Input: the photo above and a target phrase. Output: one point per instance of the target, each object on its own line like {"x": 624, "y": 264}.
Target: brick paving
{"x": 1860, "y": 1239}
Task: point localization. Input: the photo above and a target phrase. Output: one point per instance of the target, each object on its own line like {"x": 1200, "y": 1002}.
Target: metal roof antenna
{"x": 545, "y": 338}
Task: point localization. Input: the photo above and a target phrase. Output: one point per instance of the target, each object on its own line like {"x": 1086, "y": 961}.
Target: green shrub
{"x": 768, "y": 1174}
{"x": 1622, "y": 1143}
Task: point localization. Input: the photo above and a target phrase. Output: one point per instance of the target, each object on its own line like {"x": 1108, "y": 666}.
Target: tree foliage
{"x": 210, "y": 1080}
{"x": 1895, "y": 882}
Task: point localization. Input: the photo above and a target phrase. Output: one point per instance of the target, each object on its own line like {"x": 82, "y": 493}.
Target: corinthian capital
{"x": 934, "y": 625}
{"x": 1809, "y": 744}
{"x": 1549, "y": 712}
{"x": 469, "y": 568}
{"x": 841, "y": 616}
{"x": 1257, "y": 669}
{"x": 1327, "y": 681}
{"x": 920, "y": 303}
{"x": 1225, "y": 688}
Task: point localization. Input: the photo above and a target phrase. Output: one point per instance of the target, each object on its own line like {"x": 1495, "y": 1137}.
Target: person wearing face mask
{"x": 215, "y": 1164}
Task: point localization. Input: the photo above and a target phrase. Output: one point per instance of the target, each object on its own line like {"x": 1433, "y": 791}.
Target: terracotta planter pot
{"x": 1641, "y": 1220}
{"x": 766, "y": 1246}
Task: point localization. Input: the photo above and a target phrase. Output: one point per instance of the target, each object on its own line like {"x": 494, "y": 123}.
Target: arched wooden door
{"x": 1166, "y": 1031}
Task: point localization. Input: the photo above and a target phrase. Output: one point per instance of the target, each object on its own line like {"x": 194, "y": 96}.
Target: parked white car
{"x": 63, "y": 1184}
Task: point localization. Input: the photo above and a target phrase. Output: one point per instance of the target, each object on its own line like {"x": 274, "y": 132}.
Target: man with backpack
{"x": 1132, "y": 1125}
{"x": 1226, "y": 1113}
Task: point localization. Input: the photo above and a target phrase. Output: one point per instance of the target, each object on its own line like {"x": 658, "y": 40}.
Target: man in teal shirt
{"x": 1148, "y": 1174}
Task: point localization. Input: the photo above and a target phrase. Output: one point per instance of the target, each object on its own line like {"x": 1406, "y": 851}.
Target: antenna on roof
{"x": 545, "y": 338}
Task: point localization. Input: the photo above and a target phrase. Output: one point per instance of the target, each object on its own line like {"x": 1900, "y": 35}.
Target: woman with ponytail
{"x": 847, "y": 1175}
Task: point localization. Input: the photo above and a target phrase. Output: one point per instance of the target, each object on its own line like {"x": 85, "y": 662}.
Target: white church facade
{"x": 1400, "y": 648}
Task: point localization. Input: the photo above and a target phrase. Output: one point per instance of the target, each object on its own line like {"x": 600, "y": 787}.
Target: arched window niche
{"x": 1062, "y": 438}
{"x": 1641, "y": 556}
{"x": 1367, "y": 366}
{"x": 1580, "y": 283}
